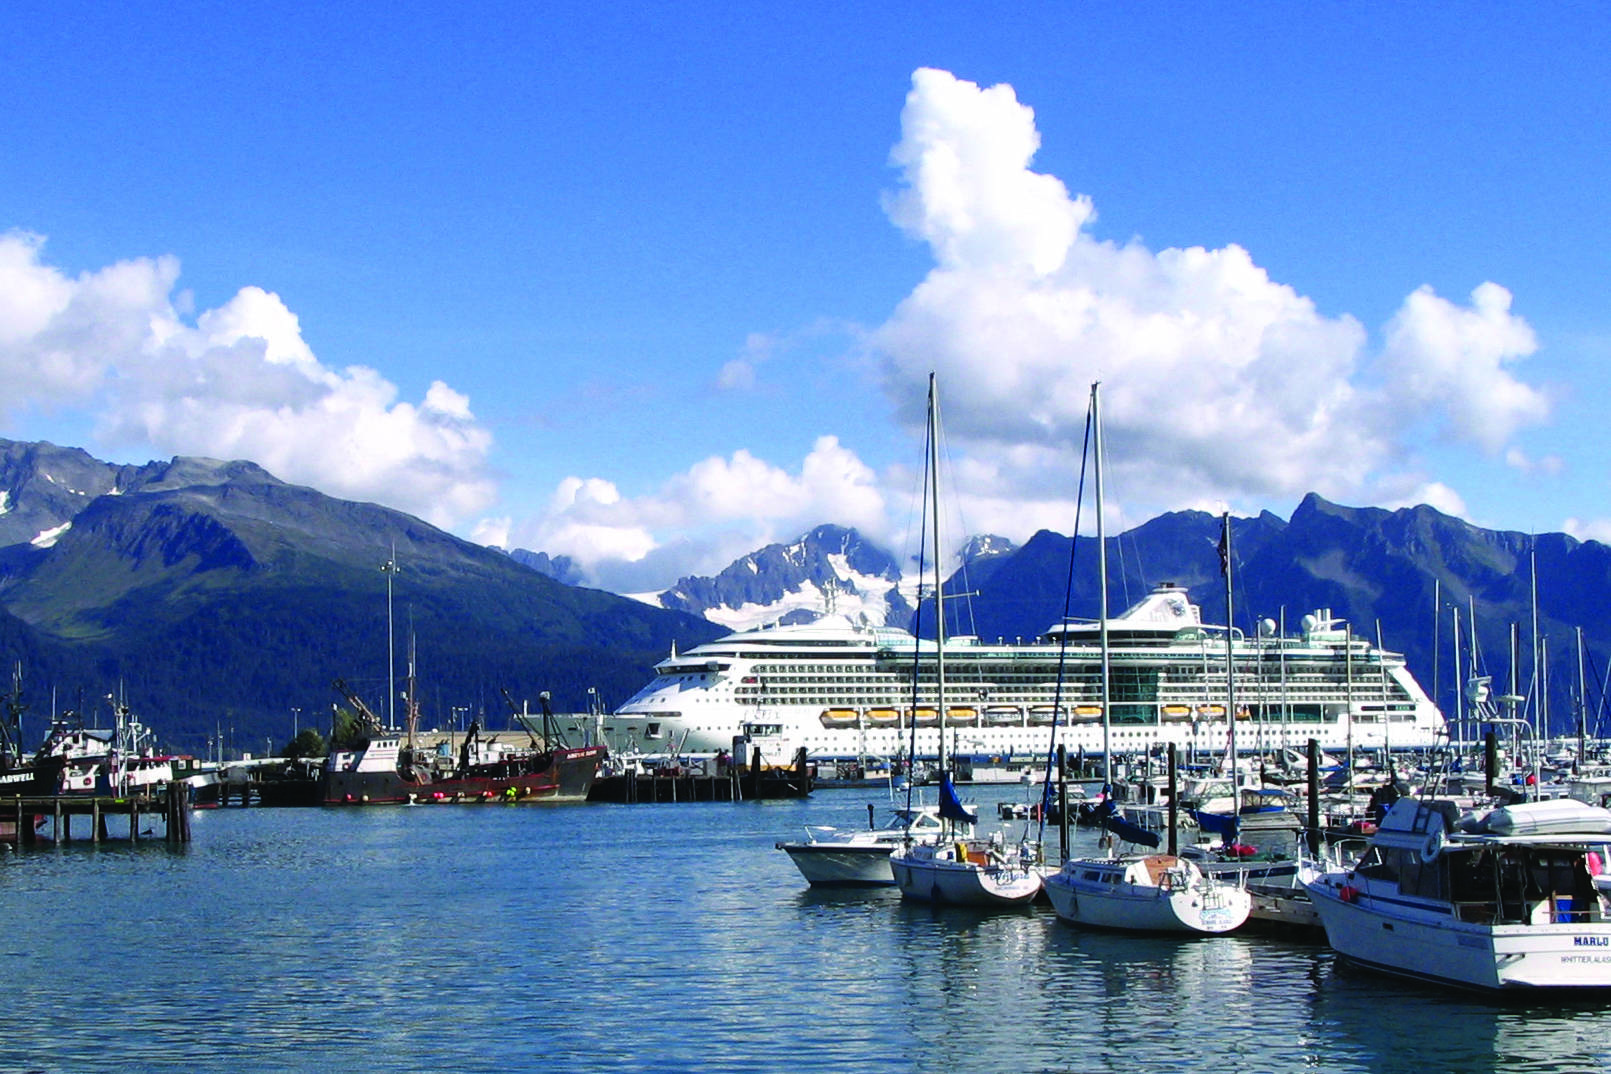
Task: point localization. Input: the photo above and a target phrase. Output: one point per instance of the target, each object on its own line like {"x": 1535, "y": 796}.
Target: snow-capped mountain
{"x": 829, "y": 570}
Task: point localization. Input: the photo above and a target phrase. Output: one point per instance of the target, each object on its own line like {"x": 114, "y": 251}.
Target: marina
{"x": 666, "y": 936}
{"x": 482, "y": 442}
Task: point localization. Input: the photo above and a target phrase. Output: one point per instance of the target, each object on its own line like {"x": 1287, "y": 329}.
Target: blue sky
{"x": 654, "y": 286}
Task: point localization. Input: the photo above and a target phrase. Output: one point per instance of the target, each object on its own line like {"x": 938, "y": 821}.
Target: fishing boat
{"x": 386, "y": 768}
{"x": 840, "y": 857}
{"x": 118, "y": 761}
{"x": 1515, "y": 898}
{"x": 965, "y": 870}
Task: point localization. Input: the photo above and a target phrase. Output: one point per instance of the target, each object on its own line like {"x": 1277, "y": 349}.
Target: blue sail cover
{"x": 951, "y": 807}
{"x": 1220, "y": 824}
{"x": 1107, "y": 815}
{"x": 1130, "y": 833}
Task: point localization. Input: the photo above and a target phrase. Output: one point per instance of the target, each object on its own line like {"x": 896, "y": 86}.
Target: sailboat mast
{"x": 1582, "y": 701}
{"x": 1459, "y": 689}
{"x": 1230, "y": 644}
{"x": 1540, "y": 727}
{"x": 1471, "y": 662}
{"x": 939, "y": 593}
{"x": 1102, "y": 595}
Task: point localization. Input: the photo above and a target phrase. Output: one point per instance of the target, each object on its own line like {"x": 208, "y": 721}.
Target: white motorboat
{"x": 1146, "y": 893}
{"x": 839, "y": 857}
{"x": 1518, "y": 897}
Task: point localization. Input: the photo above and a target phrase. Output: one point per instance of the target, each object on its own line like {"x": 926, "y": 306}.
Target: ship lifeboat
{"x": 961, "y": 716}
{"x": 1042, "y": 715}
{"x": 1003, "y": 716}
{"x": 1210, "y": 712}
{"x": 834, "y": 719}
{"x": 1176, "y": 712}
{"x": 1086, "y": 713}
{"x": 923, "y": 716}
{"x": 883, "y": 718}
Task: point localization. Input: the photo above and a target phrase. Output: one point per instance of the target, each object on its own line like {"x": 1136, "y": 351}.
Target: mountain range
{"x": 221, "y": 602}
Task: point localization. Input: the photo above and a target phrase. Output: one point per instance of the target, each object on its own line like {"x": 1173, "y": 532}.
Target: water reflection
{"x": 1405, "y": 1028}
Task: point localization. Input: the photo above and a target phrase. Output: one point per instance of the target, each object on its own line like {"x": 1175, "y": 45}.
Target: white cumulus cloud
{"x": 237, "y": 382}
{"x": 1455, "y": 361}
{"x": 701, "y": 519}
{"x": 1219, "y": 382}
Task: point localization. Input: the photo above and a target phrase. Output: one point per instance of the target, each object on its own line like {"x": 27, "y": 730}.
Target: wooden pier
{"x": 22, "y": 819}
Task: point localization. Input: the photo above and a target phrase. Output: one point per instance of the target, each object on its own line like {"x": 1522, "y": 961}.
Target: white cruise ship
{"x": 845, "y": 692}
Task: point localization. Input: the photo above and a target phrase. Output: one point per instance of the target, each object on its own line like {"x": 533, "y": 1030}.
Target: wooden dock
{"x": 23, "y": 820}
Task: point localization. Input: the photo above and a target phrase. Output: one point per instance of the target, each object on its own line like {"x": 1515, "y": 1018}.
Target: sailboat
{"x": 958, "y": 869}
{"x": 1145, "y": 892}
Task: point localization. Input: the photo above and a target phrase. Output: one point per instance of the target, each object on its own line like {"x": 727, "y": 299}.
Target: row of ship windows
{"x": 1361, "y": 668}
{"x": 1187, "y": 679}
{"x": 876, "y": 693}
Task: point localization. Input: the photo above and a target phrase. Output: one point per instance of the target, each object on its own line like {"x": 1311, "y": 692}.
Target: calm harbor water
{"x": 669, "y": 937}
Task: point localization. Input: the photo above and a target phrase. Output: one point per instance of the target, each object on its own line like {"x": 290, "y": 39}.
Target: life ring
{"x": 1429, "y": 849}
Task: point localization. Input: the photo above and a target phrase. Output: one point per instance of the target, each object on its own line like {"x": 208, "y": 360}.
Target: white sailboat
{"x": 964, "y": 870}
{"x": 1140, "y": 892}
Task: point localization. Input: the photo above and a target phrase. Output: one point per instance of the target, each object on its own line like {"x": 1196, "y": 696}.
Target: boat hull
{"x": 1093, "y": 894}
{"x": 935, "y": 875}
{"x": 567, "y": 776}
{"x": 830, "y": 865}
{"x": 1441, "y": 949}
{"x": 1279, "y": 897}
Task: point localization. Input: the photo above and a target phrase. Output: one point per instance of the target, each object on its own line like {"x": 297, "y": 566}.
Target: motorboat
{"x": 841, "y": 857}
{"x": 1512, "y": 898}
